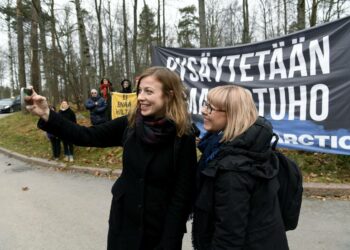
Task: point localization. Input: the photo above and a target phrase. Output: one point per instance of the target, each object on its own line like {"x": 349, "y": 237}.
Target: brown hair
{"x": 173, "y": 90}
{"x": 239, "y": 106}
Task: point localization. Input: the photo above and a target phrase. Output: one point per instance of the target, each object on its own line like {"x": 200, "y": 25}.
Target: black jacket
{"x": 152, "y": 197}
{"x": 68, "y": 114}
{"x": 237, "y": 205}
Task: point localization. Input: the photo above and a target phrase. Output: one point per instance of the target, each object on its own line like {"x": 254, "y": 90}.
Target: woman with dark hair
{"x": 106, "y": 90}
{"x": 153, "y": 196}
{"x": 125, "y": 86}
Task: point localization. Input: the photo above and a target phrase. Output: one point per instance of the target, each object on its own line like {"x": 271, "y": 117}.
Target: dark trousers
{"x": 68, "y": 148}
{"x": 56, "y": 147}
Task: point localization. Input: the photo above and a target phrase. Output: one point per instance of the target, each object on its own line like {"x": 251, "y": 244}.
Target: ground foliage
{"x": 19, "y": 132}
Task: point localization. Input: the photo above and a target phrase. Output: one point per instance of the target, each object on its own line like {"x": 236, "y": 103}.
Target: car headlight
{"x": 7, "y": 106}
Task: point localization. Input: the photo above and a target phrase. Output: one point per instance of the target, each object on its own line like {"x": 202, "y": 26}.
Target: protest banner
{"x": 300, "y": 82}
{"x": 122, "y": 103}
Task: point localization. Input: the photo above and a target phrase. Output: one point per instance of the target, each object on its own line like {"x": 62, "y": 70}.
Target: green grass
{"x": 320, "y": 167}
{"x": 20, "y": 133}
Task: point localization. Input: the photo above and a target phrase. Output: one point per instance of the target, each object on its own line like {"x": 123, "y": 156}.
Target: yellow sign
{"x": 122, "y": 103}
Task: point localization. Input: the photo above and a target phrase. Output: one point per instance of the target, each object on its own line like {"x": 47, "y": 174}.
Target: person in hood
{"x": 236, "y": 204}
{"x": 97, "y": 107}
{"x": 126, "y": 86}
{"x": 106, "y": 90}
{"x": 66, "y": 112}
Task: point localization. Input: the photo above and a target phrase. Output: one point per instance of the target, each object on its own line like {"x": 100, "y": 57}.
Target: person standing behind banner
{"x": 237, "y": 187}
{"x": 97, "y": 107}
{"x": 153, "y": 196}
{"x": 125, "y": 86}
{"x": 105, "y": 92}
{"x": 68, "y": 114}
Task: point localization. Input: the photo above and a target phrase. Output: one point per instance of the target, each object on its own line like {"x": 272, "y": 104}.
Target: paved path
{"x": 65, "y": 211}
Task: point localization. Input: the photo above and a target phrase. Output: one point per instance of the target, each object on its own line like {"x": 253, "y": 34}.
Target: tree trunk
{"x": 45, "y": 57}
{"x": 111, "y": 41}
{"x": 278, "y": 17}
{"x": 202, "y": 24}
{"x": 20, "y": 44}
{"x": 102, "y": 68}
{"x": 10, "y": 52}
{"x": 159, "y": 33}
{"x": 313, "y": 17}
{"x": 126, "y": 46}
{"x": 84, "y": 54}
{"x": 164, "y": 23}
{"x": 246, "y": 34}
{"x": 285, "y": 17}
{"x": 35, "y": 69}
{"x": 329, "y": 10}
{"x": 134, "y": 41}
{"x": 54, "y": 56}
{"x": 301, "y": 15}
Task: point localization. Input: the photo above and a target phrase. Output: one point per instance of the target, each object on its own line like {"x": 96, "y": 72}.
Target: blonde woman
{"x": 152, "y": 198}
{"x": 236, "y": 205}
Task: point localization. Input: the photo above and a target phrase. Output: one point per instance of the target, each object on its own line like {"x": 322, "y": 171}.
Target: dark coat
{"x": 68, "y": 114}
{"x": 152, "y": 197}
{"x": 97, "y": 111}
{"x": 237, "y": 205}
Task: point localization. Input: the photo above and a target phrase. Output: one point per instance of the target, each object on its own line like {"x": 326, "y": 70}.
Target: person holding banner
{"x": 106, "y": 90}
{"x": 153, "y": 196}
{"x": 236, "y": 205}
{"x": 125, "y": 86}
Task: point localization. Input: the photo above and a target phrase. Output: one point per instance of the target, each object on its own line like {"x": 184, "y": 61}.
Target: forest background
{"x": 64, "y": 48}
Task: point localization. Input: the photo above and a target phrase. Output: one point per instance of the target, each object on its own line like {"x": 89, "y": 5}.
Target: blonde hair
{"x": 239, "y": 106}
{"x": 174, "y": 92}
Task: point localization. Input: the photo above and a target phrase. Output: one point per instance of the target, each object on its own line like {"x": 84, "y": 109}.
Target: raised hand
{"x": 37, "y": 105}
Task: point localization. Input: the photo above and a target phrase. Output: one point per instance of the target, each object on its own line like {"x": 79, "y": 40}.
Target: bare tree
{"x": 203, "y": 40}
{"x": 35, "y": 70}
{"x": 110, "y": 41}
{"x": 55, "y": 61}
{"x": 126, "y": 45}
{"x": 134, "y": 41}
{"x": 285, "y": 17}
{"x": 164, "y": 23}
{"x": 102, "y": 68}
{"x": 45, "y": 55}
{"x": 313, "y": 16}
{"x": 20, "y": 44}
{"x": 301, "y": 15}
{"x": 159, "y": 33}
{"x": 10, "y": 50}
{"x": 84, "y": 53}
{"x": 264, "y": 16}
{"x": 245, "y": 34}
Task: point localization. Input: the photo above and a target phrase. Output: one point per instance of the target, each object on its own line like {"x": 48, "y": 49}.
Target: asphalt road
{"x": 44, "y": 209}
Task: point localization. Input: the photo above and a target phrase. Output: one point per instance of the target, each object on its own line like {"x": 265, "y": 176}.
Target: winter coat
{"x": 97, "y": 111}
{"x": 152, "y": 197}
{"x": 237, "y": 205}
{"x": 68, "y": 114}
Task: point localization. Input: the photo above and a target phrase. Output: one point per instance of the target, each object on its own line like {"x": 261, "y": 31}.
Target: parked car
{"x": 10, "y": 105}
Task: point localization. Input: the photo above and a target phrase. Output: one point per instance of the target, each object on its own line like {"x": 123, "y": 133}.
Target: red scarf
{"x": 104, "y": 89}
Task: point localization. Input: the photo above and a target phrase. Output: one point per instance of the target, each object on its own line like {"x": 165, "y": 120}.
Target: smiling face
{"x": 64, "y": 105}
{"x": 151, "y": 98}
{"x": 215, "y": 119}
